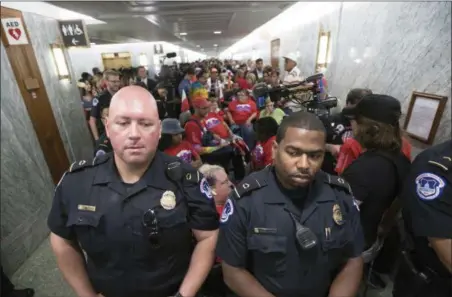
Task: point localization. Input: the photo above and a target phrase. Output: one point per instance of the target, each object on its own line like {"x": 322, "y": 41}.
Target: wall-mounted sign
{"x": 14, "y": 31}
{"x": 74, "y": 33}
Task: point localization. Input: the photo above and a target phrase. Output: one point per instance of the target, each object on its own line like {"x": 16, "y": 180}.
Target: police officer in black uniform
{"x": 288, "y": 229}
{"x": 338, "y": 128}
{"x": 426, "y": 265}
{"x": 134, "y": 212}
{"x": 103, "y": 100}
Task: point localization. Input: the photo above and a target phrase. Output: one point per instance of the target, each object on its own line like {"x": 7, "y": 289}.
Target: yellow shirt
{"x": 278, "y": 114}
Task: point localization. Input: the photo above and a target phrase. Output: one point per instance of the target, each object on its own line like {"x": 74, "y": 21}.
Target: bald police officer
{"x": 291, "y": 230}
{"x": 133, "y": 212}
{"x": 426, "y": 266}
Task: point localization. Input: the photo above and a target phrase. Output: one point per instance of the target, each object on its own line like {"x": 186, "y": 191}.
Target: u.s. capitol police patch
{"x": 228, "y": 210}
{"x": 429, "y": 186}
{"x": 205, "y": 188}
{"x": 95, "y": 101}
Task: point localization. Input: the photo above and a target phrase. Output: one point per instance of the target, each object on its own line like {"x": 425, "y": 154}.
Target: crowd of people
{"x": 158, "y": 211}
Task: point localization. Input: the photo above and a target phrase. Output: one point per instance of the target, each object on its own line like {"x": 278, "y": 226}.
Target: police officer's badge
{"x": 337, "y": 215}
{"x": 168, "y": 200}
{"x": 205, "y": 188}
{"x": 228, "y": 210}
{"x": 429, "y": 186}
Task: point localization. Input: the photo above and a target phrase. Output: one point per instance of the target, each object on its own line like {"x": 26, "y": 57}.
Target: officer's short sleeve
{"x": 232, "y": 244}
{"x": 356, "y": 228}
{"x": 202, "y": 214}
{"x": 95, "y": 110}
{"x": 428, "y": 198}
{"x": 57, "y": 218}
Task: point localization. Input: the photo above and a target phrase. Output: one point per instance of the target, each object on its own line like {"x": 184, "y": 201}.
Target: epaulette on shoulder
{"x": 338, "y": 182}
{"x": 249, "y": 184}
{"x": 83, "y": 164}
{"x": 443, "y": 162}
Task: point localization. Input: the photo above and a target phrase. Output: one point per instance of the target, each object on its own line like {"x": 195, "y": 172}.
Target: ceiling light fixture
{"x": 183, "y": 34}
{"x": 215, "y": 45}
{"x": 216, "y": 32}
{"x": 198, "y": 45}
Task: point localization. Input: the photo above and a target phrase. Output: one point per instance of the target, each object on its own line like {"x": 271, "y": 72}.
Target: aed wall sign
{"x": 14, "y": 30}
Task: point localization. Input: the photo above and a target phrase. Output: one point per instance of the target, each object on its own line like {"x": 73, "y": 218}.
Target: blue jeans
{"x": 246, "y": 132}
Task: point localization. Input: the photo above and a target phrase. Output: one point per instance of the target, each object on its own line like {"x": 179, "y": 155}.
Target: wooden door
{"x": 28, "y": 76}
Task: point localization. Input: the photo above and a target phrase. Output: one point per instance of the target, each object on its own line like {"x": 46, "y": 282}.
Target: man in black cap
{"x": 377, "y": 175}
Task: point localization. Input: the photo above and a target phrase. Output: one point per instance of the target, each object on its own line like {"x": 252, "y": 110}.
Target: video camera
{"x": 314, "y": 105}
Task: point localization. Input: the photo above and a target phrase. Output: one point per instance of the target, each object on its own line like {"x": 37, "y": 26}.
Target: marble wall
{"x": 63, "y": 94}
{"x": 392, "y": 48}
{"x": 26, "y": 184}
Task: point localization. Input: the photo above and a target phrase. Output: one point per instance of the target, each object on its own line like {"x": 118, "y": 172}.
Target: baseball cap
{"x": 380, "y": 108}
{"x": 171, "y": 126}
{"x": 201, "y": 103}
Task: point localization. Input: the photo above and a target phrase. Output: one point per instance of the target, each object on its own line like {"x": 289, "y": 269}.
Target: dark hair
{"x": 265, "y": 128}
{"x": 356, "y": 95}
{"x": 165, "y": 142}
{"x": 300, "y": 120}
{"x": 200, "y": 74}
{"x": 139, "y": 67}
{"x": 191, "y": 71}
{"x": 373, "y": 135}
{"x": 259, "y": 60}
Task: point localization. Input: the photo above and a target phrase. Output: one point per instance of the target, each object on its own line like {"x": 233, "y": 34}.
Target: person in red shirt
{"x": 219, "y": 149}
{"x": 171, "y": 143}
{"x": 242, "y": 112}
{"x": 262, "y": 155}
{"x": 215, "y": 108}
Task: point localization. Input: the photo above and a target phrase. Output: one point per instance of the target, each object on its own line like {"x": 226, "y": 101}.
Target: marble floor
{"x": 41, "y": 273}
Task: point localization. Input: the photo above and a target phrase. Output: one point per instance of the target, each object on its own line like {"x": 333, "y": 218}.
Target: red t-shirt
{"x": 183, "y": 150}
{"x": 215, "y": 124}
{"x": 243, "y": 84}
{"x": 262, "y": 153}
{"x": 242, "y": 111}
{"x": 351, "y": 149}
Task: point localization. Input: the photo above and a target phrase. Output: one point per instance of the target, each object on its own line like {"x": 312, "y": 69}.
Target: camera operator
{"x": 291, "y": 76}
{"x": 338, "y": 129}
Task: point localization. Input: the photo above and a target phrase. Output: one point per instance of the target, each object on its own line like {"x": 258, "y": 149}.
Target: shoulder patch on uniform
{"x": 338, "y": 182}
{"x": 204, "y": 187}
{"x": 95, "y": 101}
{"x": 429, "y": 186}
{"x": 248, "y": 185}
{"x": 228, "y": 210}
{"x": 443, "y": 162}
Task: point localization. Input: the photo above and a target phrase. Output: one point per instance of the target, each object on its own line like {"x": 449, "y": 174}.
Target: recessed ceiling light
{"x": 215, "y": 45}
{"x": 198, "y": 45}
{"x": 216, "y": 32}
{"x": 93, "y": 43}
{"x": 182, "y": 34}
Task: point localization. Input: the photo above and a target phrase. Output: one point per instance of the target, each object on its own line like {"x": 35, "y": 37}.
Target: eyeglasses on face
{"x": 150, "y": 222}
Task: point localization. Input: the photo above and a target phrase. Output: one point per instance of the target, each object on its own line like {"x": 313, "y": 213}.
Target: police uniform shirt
{"x": 93, "y": 206}
{"x": 427, "y": 198}
{"x": 103, "y": 100}
{"x": 257, "y": 233}
{"x": 374, "y": 181}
